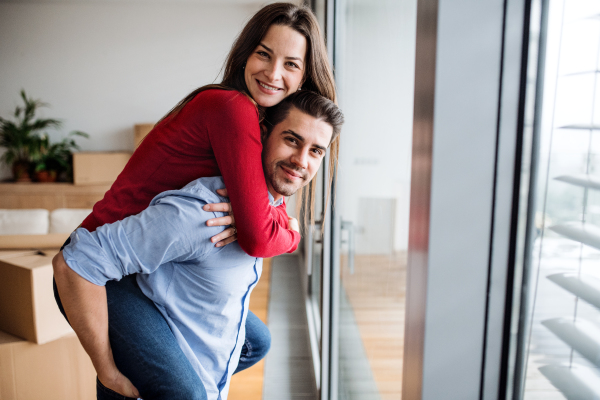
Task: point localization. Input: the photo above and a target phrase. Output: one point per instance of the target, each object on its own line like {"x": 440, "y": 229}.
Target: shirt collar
{"x": 273, "y": 202}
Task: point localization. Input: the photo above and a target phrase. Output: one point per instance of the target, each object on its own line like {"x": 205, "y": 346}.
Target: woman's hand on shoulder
{"x": 228, "y": 235}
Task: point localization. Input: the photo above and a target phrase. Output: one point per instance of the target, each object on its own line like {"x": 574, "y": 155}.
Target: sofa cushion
{"x": 24, "y": 222}
{"x": 66, "y": 220}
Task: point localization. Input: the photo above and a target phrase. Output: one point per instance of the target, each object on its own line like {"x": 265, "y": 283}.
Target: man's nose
{"x": 300, "y": 158}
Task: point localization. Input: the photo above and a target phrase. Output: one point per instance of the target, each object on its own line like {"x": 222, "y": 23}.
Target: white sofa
{"x": 38, "y": 228}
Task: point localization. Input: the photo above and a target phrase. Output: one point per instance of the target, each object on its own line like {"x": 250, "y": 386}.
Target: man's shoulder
{"x": 202, "y": 189}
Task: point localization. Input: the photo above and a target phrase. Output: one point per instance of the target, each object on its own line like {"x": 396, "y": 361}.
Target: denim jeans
{"x": 146, "y": 351}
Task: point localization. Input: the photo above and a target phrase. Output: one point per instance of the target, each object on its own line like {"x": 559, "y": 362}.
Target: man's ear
{"x": 263, "y": 133}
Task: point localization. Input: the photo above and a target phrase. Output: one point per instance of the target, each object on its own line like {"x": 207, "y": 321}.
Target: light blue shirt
{"x": 203, "y": 291}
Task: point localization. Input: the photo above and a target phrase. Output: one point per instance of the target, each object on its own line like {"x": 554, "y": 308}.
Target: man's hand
{"x": 119, "y": 383}
{"x": 228, "y": 235}
{"x": 293, "y": 224}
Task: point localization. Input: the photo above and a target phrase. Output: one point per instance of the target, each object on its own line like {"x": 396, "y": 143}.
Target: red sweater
{"x": 216, "y": 133}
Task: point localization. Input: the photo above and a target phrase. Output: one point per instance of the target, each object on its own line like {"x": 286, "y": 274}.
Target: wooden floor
{"x": 377, "y": 294}
{"x": 248, "y": 384}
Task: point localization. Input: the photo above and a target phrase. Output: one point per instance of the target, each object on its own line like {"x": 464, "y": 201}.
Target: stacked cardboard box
{"x": 141, "y": 131}
{"x": 40, "y": 356}
{"x": 98, "y": 168}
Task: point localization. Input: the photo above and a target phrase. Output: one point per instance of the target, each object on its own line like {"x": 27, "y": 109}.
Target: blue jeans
{"x": 146, "y": 351}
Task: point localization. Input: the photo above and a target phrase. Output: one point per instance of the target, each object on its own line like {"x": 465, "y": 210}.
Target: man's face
{"x": 293, "y": 152}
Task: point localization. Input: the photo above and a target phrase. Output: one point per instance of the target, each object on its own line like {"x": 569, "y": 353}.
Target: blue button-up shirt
{"x": 203, "y": 291}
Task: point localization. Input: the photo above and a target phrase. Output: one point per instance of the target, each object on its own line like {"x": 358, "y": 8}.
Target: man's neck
{"x": 276, "y": 196}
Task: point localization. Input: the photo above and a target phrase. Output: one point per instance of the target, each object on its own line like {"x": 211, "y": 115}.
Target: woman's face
{"x": 276, "y": 67}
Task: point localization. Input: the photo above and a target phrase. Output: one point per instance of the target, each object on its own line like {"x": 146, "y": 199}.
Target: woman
{"x": 213, "y": 131}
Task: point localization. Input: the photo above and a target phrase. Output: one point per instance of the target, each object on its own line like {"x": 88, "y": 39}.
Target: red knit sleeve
{"x": 280, "y": 214}
{"x": 234, "y": 136}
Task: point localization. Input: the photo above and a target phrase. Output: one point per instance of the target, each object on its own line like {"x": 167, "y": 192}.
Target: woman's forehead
{"x": 285, "y": 41}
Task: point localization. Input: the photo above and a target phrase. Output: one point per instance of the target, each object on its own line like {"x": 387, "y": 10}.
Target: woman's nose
{"x": 274, "y": 72}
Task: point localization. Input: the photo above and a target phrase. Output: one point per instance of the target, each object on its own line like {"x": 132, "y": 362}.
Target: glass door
{"x": 559, "y": 338}
{"x": 316, "y": 249}
{"x": 374, "y": 66}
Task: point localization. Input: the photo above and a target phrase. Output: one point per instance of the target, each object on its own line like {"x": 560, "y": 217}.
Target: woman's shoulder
{"x": 224, "y": 99}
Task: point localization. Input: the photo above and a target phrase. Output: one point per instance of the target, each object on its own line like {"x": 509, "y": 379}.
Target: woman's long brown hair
{"x": 318, "y": 76}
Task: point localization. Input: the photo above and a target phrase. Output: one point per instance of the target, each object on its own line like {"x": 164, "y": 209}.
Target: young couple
{"x": 160, "y": 308}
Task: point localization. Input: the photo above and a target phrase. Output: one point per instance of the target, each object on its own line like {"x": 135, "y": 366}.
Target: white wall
{"x": 105, "y": 66}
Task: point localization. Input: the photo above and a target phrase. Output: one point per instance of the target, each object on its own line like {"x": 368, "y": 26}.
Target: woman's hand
{"x": 293, "y": 224}
{"x": 119, "y": 383}
{"x": 228, "y": 235}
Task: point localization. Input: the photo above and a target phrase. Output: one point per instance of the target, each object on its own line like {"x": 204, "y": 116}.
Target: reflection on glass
{"x": 563, "y": 344}
{"x": 374, "y": 64}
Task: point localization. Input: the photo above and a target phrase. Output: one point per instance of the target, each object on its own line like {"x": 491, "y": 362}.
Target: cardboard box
{"x": 27, "y": 306}
{"x": 6, "y": 254}
{"x": 48, "y": 241}
{"x": 60, "y": 370}
{"x": 141, "y": 130}
{"x": 96, "y": 168}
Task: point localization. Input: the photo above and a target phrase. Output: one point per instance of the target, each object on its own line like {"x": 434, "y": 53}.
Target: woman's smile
{"x": 267, "y": 88}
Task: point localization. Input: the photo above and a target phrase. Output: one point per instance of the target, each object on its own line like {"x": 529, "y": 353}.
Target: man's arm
{"x": 86, "y": 308}
{"x": 137, "y": 244}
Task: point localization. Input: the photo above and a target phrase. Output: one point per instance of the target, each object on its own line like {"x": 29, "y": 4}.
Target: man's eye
{"x": 318, "y": 151}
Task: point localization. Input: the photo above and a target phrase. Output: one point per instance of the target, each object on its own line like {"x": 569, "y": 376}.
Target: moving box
{"x": 27, "y": 306}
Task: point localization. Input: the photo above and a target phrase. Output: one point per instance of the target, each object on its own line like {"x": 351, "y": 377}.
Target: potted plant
{"x": 21, "y": 136}
{"x": 52, "y": 160}
{"x": 28, "y": 148}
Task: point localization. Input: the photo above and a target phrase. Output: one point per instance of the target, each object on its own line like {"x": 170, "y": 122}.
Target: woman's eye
{"x": 292, "y": 64}
{"x": 262, "y": 53}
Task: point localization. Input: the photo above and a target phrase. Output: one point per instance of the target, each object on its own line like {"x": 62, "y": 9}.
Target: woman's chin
{"x": 268, "y": 100}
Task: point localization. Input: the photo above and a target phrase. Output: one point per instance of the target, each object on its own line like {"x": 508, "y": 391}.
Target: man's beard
{"x": 282, "y": 184}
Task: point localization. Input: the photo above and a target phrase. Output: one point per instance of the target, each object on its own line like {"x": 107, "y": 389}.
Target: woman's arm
{"x": 234, "y": 135}
{"x": 229, "y": 235}
{"x": 87, "y": 311}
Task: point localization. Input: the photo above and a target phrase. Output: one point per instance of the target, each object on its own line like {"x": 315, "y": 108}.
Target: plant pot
{"x": 45, "y": 176}
{"x": 20, "y": 171}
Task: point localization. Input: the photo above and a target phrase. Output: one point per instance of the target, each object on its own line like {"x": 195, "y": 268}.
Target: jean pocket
{"x": 102, "y": 393}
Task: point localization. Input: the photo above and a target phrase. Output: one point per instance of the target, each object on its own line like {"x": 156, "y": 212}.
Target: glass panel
{"x": 562, "y": 339}
{"x": 319, "y": 9}
{"x": 316, "y": 257}
{"x": 374, "y": 64}
{"x": 313, "y": 251}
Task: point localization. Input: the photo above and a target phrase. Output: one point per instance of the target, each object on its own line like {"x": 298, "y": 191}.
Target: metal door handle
{"x": 349, "y": 226}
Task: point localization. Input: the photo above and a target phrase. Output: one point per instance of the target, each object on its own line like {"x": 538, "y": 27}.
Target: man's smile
{"x": 291, "y": 173}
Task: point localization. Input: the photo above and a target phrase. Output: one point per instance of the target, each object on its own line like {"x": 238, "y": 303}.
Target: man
{"x": 201, "y": 291}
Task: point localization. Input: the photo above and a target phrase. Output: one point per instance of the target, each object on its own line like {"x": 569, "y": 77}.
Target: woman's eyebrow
{"x": 266, "y": 48}
{"x": 287, "y": 57}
